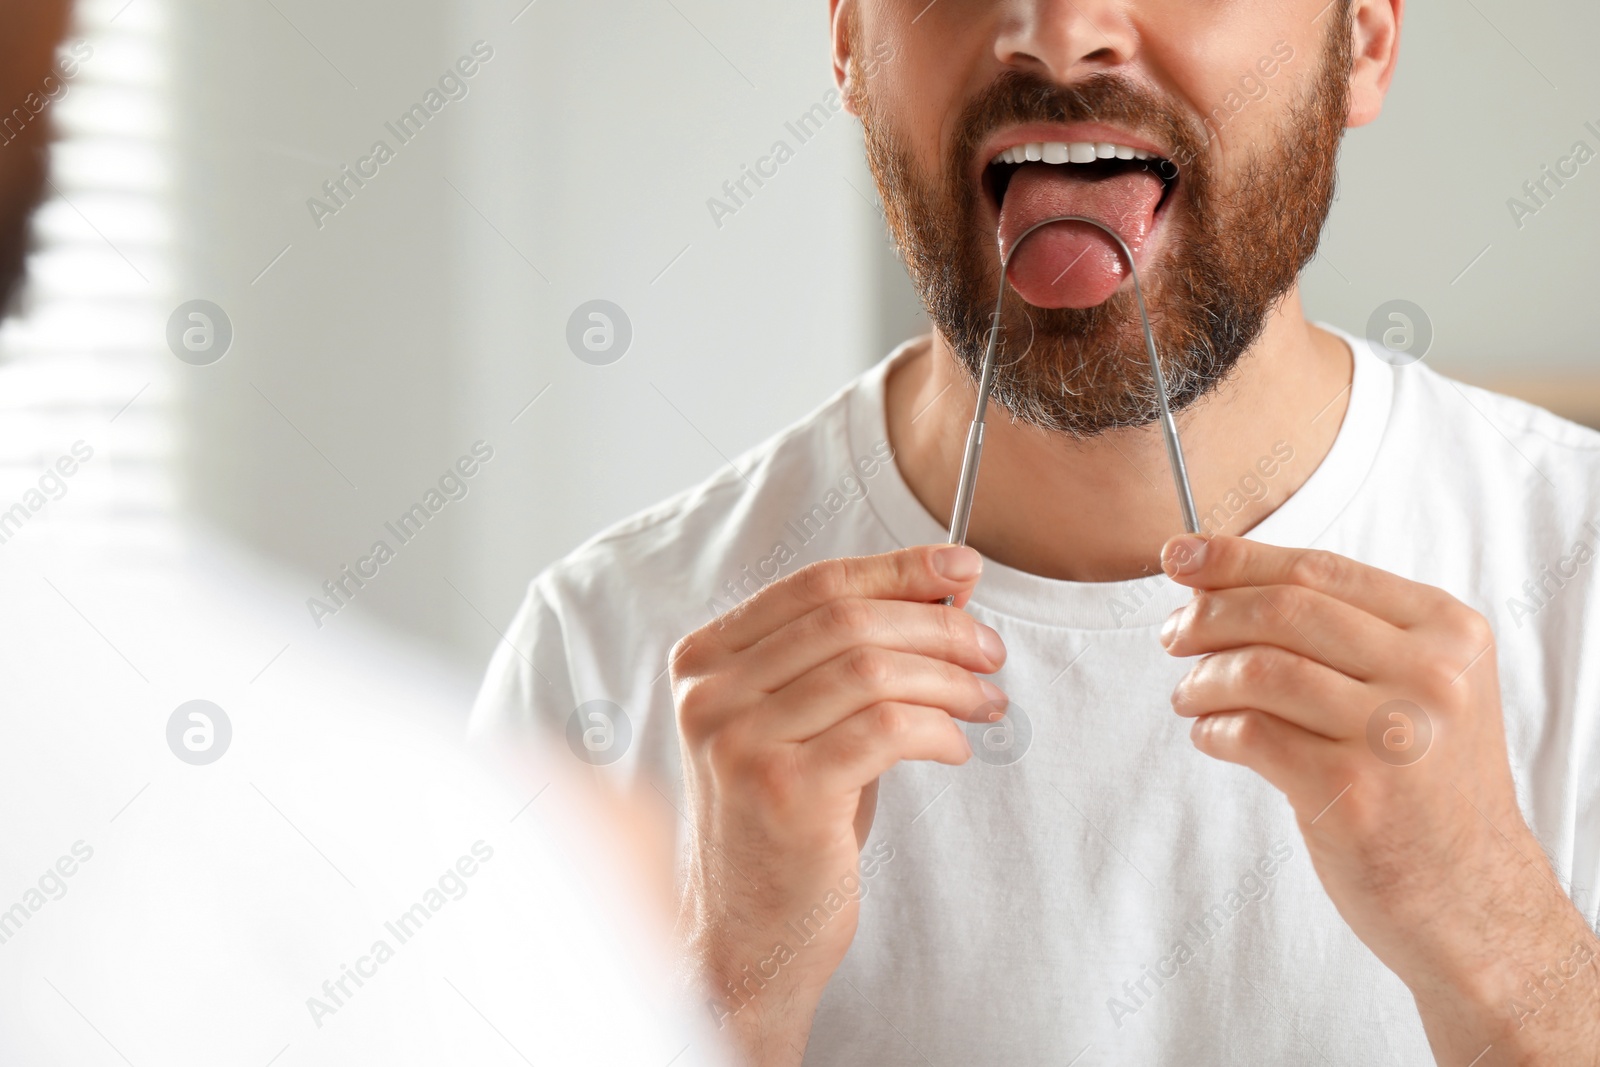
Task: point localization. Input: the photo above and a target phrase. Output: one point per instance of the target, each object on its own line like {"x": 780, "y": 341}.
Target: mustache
{"x": 1016, "y": 97}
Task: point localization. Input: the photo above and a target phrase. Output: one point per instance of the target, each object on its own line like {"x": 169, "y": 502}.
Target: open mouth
{"x": 1068, "y": 264}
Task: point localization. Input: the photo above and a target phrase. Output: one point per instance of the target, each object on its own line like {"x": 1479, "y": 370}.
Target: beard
{"x": 1239, "y": 232}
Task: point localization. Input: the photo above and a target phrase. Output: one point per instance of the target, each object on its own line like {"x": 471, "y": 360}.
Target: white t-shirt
{"x": 1093, "y": 886}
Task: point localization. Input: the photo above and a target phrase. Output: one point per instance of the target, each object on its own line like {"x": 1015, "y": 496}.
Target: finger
{"x": 1293, "y": 761}
{"x": 1296, "y": 689}
{"x": 870, "y": 742}
{"x": 945, "y": 633}
{"x": 828, "y": 694}
{"x": 923, "y": 573}
{"x": 1226, "y": 562}
{"x": 1303, "y": 621}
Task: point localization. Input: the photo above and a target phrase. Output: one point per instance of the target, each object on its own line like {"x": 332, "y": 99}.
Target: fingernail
{"x": 993, "y": 694}
{"x": 1169, "y": 629}
{"x": 958, "y": 562}
{"x": 990, "y": 644}
{"x": 1183, "y": 555}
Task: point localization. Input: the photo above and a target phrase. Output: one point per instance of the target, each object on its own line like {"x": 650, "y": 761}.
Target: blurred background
{"x": 378, "y": 337}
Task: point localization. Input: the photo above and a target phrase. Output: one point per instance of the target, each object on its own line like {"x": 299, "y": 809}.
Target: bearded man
{"x": 1325, "y": 793}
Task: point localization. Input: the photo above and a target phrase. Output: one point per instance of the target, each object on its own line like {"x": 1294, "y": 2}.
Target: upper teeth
{"x": 1069, "y": 152}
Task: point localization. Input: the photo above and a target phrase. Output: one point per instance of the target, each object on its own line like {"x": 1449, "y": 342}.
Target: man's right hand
{"x": 789, "y": 708}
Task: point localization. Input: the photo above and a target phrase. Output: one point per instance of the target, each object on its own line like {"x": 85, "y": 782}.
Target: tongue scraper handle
{"x": 1169, "y": 429}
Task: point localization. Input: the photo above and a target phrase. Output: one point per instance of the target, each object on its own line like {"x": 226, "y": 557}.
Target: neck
{"x": 1099, "y": 510}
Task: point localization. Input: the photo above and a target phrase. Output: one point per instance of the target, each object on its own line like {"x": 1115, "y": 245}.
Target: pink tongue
{"x": 1071, "y": 264}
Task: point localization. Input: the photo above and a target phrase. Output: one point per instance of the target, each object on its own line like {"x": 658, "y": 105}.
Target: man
{"x": 1359, "y": 838}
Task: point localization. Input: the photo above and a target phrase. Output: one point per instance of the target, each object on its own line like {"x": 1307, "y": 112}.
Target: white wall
{"x": 595, "y": 152}
{"x": 1424, "y": 190}
{"x": 415, "y": 321}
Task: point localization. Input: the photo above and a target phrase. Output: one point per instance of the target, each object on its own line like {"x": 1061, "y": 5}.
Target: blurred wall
{"x": 1486, "y": 94}
{"x": 429, "y": 311}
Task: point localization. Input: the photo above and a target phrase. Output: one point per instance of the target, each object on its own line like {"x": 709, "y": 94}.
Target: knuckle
{"x": 1257, "y": 667}
{"x": 1439, "y": 672}
{"x": 890, "y": 722}
{"x": 912, "y": 562}
{"x": 1316, "y": 568}
{"x": 1264, "y": 610}
{"x": 696, "y": 704}
{"x": 1287, "y": 606}
{"x": 956, "y": 629}
{"x": 686, "y": 653}
{"x": 1206, "y": 610}
{"x": 1247, "y": 730}
{"x": 824, "y": 581}
{"x": 851, "y": 616}
{"x": 869, "y": 666}
{"x": 1473, "y": 629}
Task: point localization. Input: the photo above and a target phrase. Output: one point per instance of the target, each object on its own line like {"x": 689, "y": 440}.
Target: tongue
{"x": 1071, "y": 264}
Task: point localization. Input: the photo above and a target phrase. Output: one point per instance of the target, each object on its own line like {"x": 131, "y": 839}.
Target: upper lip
{"x": 1096, "y": 132}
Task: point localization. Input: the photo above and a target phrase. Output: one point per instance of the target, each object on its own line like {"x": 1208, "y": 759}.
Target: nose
{"x": 1065, "y": 40}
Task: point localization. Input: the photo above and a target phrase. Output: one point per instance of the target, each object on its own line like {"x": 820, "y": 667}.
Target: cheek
{"x": 924, "y": 72}
{"x": 1238, "y": 65}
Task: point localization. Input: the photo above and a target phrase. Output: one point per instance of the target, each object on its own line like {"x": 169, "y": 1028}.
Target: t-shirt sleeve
{"x": 527, "y": 692}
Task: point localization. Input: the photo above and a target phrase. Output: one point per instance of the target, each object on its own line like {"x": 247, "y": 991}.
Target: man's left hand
{"x": 1373, "y": 704}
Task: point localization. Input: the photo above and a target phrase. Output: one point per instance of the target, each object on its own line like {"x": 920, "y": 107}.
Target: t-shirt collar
{"x": 1300, "y": 521}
